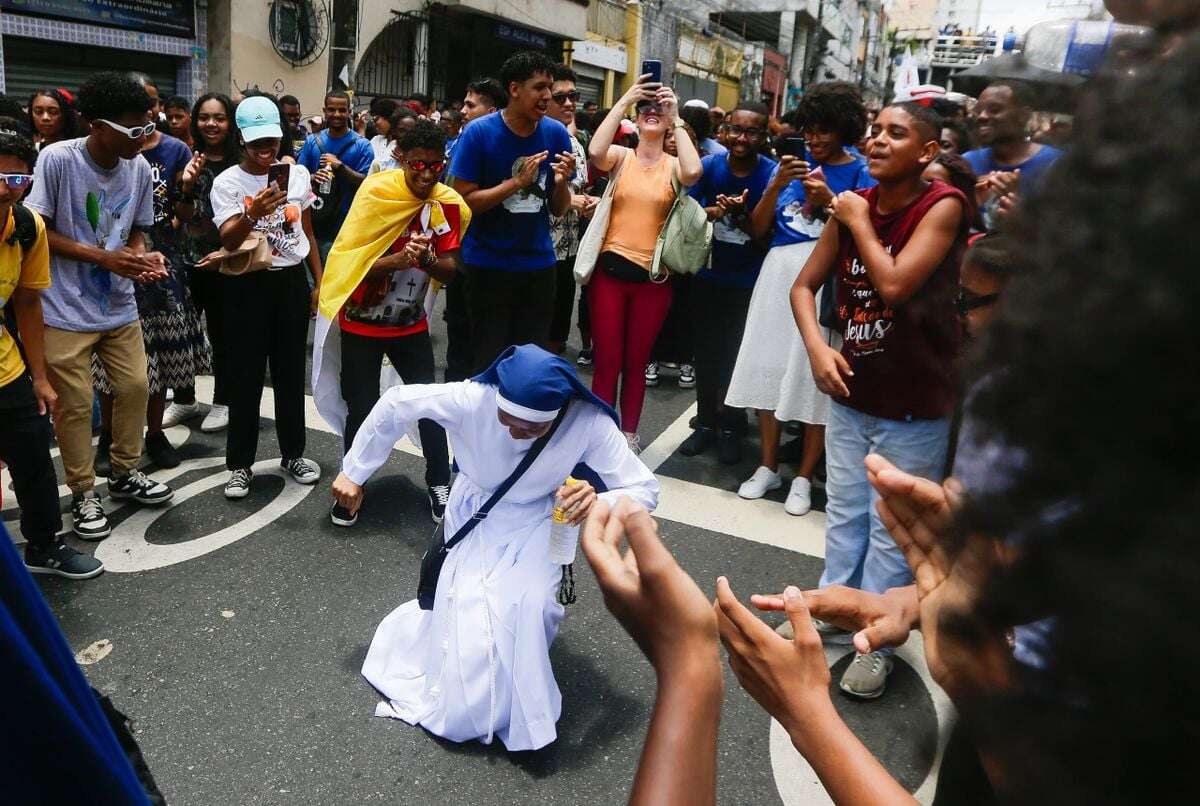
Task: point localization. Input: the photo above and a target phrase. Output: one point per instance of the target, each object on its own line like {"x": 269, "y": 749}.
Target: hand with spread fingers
{"x": 668, "y": 616}
{"x": 964, "y": 655}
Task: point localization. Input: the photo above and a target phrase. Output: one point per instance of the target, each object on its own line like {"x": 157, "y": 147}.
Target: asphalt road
{"x": 239, "y": 660}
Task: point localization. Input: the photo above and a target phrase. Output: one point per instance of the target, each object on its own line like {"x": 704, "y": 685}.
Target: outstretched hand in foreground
{"x": 669, "y": 617}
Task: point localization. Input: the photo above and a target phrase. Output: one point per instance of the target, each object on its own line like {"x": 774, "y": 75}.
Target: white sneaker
{"x": 799, "y": 500}
{"x": 176, "y": 413}
{"x": 763, "y": 481}
{"x": 217, "y": 419}
{"x": 634, "y": 442}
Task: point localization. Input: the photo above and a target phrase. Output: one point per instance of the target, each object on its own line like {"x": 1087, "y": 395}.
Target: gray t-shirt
{"x": 95, "y": 206}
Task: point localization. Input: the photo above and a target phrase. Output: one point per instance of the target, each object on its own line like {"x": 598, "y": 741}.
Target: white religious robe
{"x": 478, "y": 664}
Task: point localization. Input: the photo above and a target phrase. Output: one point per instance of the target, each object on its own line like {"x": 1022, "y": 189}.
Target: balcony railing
{"x": 963, "y": 51}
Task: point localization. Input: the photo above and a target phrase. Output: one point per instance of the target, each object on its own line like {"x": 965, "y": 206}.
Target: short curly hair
{"x": 111, "y": 95}
{"x": 426, "y": 134}
{"x": 835, "y": 106}
{"x": 15, "y": 144}
{"x": 524, "y": 65}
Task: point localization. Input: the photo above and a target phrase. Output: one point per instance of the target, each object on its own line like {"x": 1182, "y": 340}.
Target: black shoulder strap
{"x": 500, "y": 492}
{"x": 24, "y": 228}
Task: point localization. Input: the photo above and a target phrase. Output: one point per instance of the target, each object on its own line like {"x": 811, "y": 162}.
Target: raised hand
{"x": 527, "y": 175}
{"x": 878, "y": 620}
{"x": 564, "y": 167}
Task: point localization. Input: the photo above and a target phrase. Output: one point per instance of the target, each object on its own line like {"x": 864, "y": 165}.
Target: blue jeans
{"x": 859, "y": 552}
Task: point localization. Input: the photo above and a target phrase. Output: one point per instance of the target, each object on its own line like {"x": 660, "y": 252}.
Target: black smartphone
{"x": 280, "y": 174}
{"x": 790, "y": 144}
{"x": 654, "y": 68}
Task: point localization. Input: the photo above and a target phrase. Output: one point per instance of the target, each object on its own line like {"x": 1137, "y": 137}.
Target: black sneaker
{"x": 687, "y": 376}
{"x": 439, "y": 496}
{"x": 729, "y": 447}
{"x": 586, "y": 358}
{"x": 302, "y": 470}
{"x": 102, "y": 465}
{"x": 61, "y": 560}
{"x": 161, "y": 452}
{"x": 652, "y": 374}
{"x": 238, "y": 485}
{"x": 342, "y": 516}
{"x": 87, "y": 517}
{"x": 139, "y": 487}
{"x": 701, "y": 440}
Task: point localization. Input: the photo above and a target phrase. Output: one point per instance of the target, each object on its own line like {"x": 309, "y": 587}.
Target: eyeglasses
{"x": 966, "y": 301}
{"x": 422, "y": 165}
{"x": 561, "y": 98}
{"x": 17, "y": 181}
{"x": 136, "y": 133}
{"x": 738, "y": 131}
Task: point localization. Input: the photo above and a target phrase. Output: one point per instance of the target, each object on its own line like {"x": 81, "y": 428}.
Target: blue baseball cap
{"x": 258, "y": 119}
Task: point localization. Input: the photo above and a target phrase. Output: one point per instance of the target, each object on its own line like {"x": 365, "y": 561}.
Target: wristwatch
{"x": 428, "y": 259}
{"x": 678, "y": 124}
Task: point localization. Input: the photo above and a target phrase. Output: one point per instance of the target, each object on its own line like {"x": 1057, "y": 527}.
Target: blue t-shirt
{"x": 515, "y": 234}
{"x": 735, "y": 258}
{"x": 351, "y": 148}
{"x": 792, "y": 223}
{"x": 712, "y": 147}
{"x": 1033, "y": 170}
{"x": 167, "y": 160}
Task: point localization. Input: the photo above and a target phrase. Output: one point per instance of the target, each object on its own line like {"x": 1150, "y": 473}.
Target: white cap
{"x": 697, "y": 102}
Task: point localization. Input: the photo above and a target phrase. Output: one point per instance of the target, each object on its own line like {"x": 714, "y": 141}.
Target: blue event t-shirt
{"x": 735, "y": 258}
{"x": 351, "y": 148}
{"x": 515, "y": 234}
{"x": 1033, "y": 170}
{"x": 792, "y": 225}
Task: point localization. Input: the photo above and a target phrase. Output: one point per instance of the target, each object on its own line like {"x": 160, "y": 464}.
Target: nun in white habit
{"x": 478, "y": 664}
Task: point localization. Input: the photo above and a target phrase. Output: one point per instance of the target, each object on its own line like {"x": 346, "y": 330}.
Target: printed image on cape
{"x": 382, "y": 211}
{"x": 477, "y": 665}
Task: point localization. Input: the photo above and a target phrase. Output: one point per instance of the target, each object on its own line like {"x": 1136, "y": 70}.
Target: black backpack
{"x": 24, "y": 227}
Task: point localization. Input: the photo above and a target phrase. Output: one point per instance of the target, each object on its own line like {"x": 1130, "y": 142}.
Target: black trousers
{"x": 564, "y": 300}
{"x": 675, "y": 340}
{"x": 459, "y": 356}
{"x": 25, "y": 448}
{"x": 266, "y": 321}
{"x": 208, "y": 296}
{"x": 506, "y": 308}
{"x": 719, "y": 319}
{"x": 412, "y": 356}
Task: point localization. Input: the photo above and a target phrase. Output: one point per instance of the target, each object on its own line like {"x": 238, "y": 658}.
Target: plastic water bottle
{"x": 1077, "y": 46}
{"x": 564, "y": 537}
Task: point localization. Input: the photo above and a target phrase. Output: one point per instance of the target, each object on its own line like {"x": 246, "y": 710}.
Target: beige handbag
{"x": 254, "y": 254}
{"x": 593, "y": 237}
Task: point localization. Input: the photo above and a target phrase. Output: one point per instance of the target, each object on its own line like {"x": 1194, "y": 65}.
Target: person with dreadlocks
{"x": 477, "y": 664}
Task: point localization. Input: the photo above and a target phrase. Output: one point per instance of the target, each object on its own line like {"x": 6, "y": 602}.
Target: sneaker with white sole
{"x": 763, "y": 481}
{"x": 137, "y": 486}
{"x": 342, "y": 516}
{"x": 302, "y": 470}
{"x": 238, "y": 485}
{"x": 687, "y": 376}
{"x": 866, "y": 676}
{"x": 439, "y": 496}
{"x": 87, "y": 517}
{"x": 634, "y": 442}
{"x": 217, "y": 419}
{"x": 652, "y": 374}
{"x": 176, "y": 413}
{"x": 61, "y": 560}
{"x": 799, "y": 499}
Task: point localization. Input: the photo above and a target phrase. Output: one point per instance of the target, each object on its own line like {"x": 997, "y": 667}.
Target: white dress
{"x": 478, "y": 664}
{"x": 772, "y": 372}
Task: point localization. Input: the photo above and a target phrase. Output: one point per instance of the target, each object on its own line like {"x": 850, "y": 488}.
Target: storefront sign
{"x": 511, "y": 33}
{"x": 167, "y": 17}
{"x": 605, "y": 56}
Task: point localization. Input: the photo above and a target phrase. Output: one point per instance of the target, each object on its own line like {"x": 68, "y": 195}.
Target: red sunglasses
{"x": 421, "y": 165}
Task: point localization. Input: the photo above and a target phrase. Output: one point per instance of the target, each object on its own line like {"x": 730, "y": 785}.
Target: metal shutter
{"x": 30, "y": 64}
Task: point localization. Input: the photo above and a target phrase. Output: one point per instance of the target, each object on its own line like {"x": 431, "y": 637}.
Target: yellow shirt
{"x": 31, "y": 270}
{"x": 640, "y": 204}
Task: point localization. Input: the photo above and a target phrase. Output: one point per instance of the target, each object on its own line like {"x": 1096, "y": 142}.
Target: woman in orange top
{"x": 627, "y": 309}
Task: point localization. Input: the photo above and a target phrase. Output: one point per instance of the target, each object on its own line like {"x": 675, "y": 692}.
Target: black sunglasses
{"x": 562, "y": 97}
{"x": 966, "y": 301}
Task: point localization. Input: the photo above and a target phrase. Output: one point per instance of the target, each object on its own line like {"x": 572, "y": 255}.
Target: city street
{"x": 236, "y": 630}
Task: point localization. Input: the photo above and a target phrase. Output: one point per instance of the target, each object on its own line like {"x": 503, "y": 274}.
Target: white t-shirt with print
{"x": 233, "y": 189}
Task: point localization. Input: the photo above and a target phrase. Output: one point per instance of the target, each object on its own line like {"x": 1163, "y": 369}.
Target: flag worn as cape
{"x": 382, "y": 210}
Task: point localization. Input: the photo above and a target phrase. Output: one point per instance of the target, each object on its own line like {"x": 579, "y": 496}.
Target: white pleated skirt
{"x": 772, "y": 371}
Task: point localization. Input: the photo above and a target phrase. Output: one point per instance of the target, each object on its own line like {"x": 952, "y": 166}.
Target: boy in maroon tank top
{"x": 896, "y": 248}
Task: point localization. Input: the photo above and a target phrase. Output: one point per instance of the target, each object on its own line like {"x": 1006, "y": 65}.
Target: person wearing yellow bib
{"x": 403, "y": 233}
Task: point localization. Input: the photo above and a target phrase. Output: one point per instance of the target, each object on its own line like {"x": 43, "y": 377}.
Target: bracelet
{"x": 678, "y": 124}
{"x": 428, "y": 260}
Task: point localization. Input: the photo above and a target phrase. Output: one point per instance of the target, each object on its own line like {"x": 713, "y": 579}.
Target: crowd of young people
{"x": 864, "y": 233}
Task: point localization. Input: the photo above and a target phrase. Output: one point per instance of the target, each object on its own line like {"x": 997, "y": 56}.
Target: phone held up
{"x": 792, "y": 144}
{"x": 280, "y": 174}
{"x": 653, "y": 68}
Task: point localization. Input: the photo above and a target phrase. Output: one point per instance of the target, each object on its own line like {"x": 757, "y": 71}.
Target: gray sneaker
{"x": 866, "y": 676}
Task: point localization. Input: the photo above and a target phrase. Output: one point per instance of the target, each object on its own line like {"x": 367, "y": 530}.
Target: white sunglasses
{"x": 136, "y": 133}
